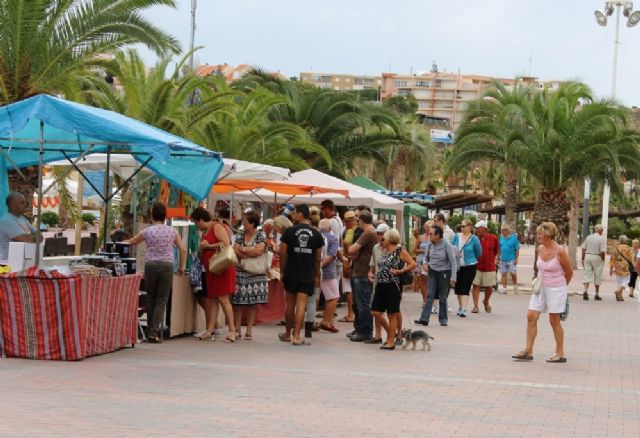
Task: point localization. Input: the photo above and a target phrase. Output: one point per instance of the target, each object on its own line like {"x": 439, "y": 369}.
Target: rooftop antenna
{"x": 434, "y": 67}
{"x": 530, "y": 62}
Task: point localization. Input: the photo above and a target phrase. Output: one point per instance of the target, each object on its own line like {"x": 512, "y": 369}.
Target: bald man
{"x": 14, "y": 227}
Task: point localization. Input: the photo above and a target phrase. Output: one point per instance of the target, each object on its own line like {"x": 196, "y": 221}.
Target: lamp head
{"x": 601, "y": 19}
{"x": 609, "y": 7}
{"x": 627, "y": 9}
{"x": 633, "y": 19}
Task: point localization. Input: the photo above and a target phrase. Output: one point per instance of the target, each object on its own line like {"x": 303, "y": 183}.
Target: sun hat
{"x": 382, "y": 228}
{"x": 481, "y": 224}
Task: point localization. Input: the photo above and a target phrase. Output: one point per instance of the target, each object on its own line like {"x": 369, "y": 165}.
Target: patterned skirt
{"x": 250, "y": 289}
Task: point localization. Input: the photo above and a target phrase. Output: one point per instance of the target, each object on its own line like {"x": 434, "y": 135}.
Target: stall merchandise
{"x": 45, "y": 315}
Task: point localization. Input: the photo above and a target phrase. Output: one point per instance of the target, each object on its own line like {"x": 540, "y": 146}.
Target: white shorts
{"x": 549, "y": 300}
{"x": 346, "y": 285}
{"x": 622, "y": 281}
{"x": 593, "y": 266}
{"x": 330, "y": 289}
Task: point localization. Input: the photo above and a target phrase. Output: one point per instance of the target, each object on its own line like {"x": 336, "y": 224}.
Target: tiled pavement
{"x": 466, "y": 386}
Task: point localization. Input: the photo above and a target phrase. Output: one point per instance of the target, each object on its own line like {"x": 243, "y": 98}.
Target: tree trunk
{"x": 27, "y": 188}
{"x": 511, "y": 196}
{"x": 575, "y": 199}
{"x": 552, "y": 206}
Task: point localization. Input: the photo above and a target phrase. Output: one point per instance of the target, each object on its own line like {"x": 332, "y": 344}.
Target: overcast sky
{"x": 551, "y": 39}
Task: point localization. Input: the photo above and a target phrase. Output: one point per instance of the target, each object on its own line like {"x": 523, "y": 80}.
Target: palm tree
{"x": 492, "y": 132}
{"x": 570, "y": 138}
{"x": 247, "y": 130}
{"x": 45, "y": 45}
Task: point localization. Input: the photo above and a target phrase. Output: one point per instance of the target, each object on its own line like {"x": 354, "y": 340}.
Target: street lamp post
{"x": 194, "y": 6}
{"x": 633, "y": 18}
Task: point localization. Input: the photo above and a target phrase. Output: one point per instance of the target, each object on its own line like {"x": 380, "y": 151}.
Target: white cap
{"x": 481, "y": 223}
{"x": 382, "y": 228}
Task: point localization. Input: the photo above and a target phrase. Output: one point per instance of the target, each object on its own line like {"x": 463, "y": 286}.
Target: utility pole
{"x": 194, "y": 5}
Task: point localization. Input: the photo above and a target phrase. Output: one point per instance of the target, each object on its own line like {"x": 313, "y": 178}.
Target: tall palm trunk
{"x": 576, "y": 201}
{"x": 552, "y": 206}
{"x": 511, "y": 196}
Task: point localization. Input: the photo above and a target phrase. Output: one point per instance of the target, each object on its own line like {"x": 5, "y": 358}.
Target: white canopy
{"x": 357, "y": 195}
{"x": 125, "y": 165}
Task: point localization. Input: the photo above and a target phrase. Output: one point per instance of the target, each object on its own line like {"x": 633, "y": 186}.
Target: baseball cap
{"x": 382, "y": 228}
{"x": 481, "y": 223}
{"x": 349, "y": 215}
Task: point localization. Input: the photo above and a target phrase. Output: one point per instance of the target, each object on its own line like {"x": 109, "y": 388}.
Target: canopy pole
{"x": 107, "y": 199}
{"x": 39, "y": 219}
{"x": 134, "y": 202}
{"x": 231, "y": 208}
{"x": 79, "y": 203}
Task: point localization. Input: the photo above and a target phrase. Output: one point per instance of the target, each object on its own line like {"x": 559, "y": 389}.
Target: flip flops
{"x": 523, "y": 355}
{"x": 556, "y": 358}
{"x": 344, "y": 319}
{"x": 283, "y": 337}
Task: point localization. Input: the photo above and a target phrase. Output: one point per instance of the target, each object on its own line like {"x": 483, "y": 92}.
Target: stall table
{"x": 44, "y": 315}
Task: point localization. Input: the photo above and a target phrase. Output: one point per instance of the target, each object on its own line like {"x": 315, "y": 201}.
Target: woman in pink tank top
{"x": 554, "y": 270}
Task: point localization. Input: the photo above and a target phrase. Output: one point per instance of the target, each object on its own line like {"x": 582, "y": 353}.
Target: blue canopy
{"x": 72, "y": 129}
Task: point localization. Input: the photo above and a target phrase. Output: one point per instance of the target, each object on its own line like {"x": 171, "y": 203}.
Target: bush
{"x": 616, "y": 228}
{"x": 89, "y": 218}
{"x": 50, "y": 218}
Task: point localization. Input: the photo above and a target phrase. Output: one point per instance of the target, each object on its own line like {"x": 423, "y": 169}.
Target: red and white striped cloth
{"x": 45, "y": 315}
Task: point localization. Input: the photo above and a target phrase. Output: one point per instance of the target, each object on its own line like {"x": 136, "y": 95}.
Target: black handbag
{"x": 406, "y": 278}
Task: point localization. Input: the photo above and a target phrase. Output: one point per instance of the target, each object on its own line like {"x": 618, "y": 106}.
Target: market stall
{"x": 45, "y": 129}
{"x": 275, "y": 192}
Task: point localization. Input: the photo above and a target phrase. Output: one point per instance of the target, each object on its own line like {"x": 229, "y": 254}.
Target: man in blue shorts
{"x": 509, "y": 252}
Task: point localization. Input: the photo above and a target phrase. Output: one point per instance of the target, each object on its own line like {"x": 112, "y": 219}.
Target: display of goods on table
{"x": 47, "y": 315}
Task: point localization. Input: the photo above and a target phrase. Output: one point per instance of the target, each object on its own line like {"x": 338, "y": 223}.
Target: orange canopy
{"x": 282, "y": 187}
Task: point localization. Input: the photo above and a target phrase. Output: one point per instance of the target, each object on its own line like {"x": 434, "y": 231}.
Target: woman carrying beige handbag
{"x": 220, "y": 284}
{"x": 252, "y": 286}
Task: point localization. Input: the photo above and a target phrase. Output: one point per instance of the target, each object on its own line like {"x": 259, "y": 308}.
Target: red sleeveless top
{"x": 218, "y": 285}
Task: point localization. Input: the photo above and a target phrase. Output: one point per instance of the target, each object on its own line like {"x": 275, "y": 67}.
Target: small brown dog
{"x": 414, "y": 337}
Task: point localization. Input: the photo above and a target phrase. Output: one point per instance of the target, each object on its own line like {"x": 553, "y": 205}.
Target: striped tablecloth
{"x": 44, "y": 315}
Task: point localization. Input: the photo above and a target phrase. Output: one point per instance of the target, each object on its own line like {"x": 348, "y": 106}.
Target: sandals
{"x": 556, "y": 358}
{"x": 204, "y": 336}
{"x": 297, "y": 343}
{"x": 345, "y": 319}
{"x": 329, "y": 328}
{"x": 231, "y": 337}
{"x": 475, "y": 310}
{"x": 247, "y": 337}
{"x": 487, "y": 307}
{"x": 283, "y": 337}
{"x": 523, "y": 355}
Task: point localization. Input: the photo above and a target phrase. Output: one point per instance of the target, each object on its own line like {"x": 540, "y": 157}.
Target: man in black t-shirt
{"x": 300, "y": 254}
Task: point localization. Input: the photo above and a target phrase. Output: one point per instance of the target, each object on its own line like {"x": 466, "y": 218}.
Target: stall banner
{"x": 41, "y": 316}
{"x": 45, "y": 315}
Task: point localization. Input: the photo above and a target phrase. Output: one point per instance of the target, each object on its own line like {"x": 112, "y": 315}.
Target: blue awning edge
{"x": 184, "y": 164}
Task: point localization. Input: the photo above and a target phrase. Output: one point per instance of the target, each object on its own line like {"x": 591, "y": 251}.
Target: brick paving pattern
{"x": 467, "y": 386}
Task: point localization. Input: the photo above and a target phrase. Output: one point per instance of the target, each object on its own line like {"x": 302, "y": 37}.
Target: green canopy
{"x": 410, "y": 208}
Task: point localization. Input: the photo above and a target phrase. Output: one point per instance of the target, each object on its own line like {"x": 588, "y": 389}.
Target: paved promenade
{"x": 467, "y": 386}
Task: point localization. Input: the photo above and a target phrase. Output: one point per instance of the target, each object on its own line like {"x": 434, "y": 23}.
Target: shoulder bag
{"x": 632, "y": 268}
{"x": 223, "y": 259}
{"x": 255, "y": 265}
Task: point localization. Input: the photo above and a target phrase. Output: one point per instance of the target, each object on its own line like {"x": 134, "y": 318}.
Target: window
{"x": 404, "y": 92}
{"x": 401, "y": 84}
{"x": 325, "y": 79}
{"x": 357, "y": 81}
{"x": 423, "y": 83}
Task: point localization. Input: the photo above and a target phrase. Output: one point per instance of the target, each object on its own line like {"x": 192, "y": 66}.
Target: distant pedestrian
{"x": 376, "y": 256}
{"x": 329, "y": 281}
{"x": 360, "y": 253}
{"x": 420, "y": 251}
{"x": 300, "y": 253}
{"x": 621, "y": 265}
{"x": 635, "y": 247}
{"x": 486, "y": 273}
{"x": 594, "y": 249}
{"x": 555, "y": 271}
{"x": 350, "y": 224}
{"x": 441, "y": 221}
{"x": 442, "y": 263}
{"x": 469, "y": 248}
{"x": 509, "y": 254}
{"x": 394, "y": 262}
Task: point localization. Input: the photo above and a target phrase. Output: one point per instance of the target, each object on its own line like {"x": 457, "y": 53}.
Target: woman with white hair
{"x": 621, "y": 265}
{"x": 395, "y": 262}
